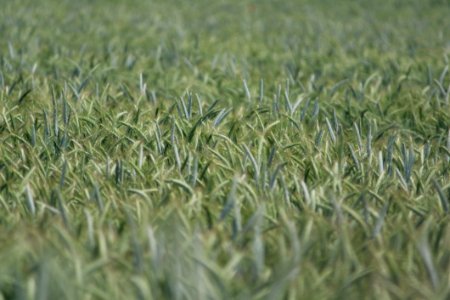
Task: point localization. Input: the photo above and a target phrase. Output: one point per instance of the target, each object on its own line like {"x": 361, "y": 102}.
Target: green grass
{"x": 224, "y": 150}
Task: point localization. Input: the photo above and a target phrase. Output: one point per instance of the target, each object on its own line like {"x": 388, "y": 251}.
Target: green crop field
{"x": 253, "y": 149}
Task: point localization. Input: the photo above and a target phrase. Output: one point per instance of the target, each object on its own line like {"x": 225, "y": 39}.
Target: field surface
{"x": 224, "y": 149}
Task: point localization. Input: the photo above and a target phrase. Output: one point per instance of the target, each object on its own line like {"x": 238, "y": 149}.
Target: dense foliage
{"x": 224, "y": 149}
